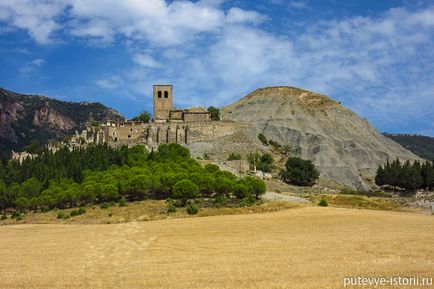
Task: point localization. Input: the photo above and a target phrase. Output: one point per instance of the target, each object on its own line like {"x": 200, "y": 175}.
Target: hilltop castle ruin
{"x": 169, "y": 125}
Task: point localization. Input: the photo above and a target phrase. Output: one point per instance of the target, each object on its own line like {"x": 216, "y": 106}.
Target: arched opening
{"x": 166, "y": 94}
{"x": 159, "y": 94}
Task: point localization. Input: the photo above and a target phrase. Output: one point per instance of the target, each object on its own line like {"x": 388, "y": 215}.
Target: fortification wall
{"x": 158, "y": 133}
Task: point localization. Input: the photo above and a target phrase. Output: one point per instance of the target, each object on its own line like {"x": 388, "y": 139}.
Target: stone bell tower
{"x": 163, "y": 101}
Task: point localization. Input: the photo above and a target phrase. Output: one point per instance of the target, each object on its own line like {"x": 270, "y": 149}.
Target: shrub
{"x": 247, "y": 202}
{"x": 171, "y": 208}
{"x": 74, "y": 213}
{"x": 19, "y": 218}
{"x": 300, "y": 172}
{"x": 192, "y": 209}
{"x": 323, "y": 203}
{"x": 81, "y": 211}
{"x": 234, "y": 157}
{"x": 104, "y": 205}
{"x": 61, "y": 215}
{"x": 221, "y": 200}
{"x": 122, "y": 202}
{"x": 263, "y": 139}
{"x": 15, "y": 214}
{"x": 3, "y": 217}
{"x": 212, "y": 168}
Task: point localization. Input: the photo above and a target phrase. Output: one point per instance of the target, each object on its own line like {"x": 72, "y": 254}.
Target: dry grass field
{"x": 306, "y": 247}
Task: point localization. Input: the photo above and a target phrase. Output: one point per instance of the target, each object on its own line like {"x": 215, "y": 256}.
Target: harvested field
{"x": 308, "y": 247}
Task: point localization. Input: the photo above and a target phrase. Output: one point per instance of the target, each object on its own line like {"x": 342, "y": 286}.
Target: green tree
{"x": 22, "y": 203}
{"x": 214, "y": 113}
{"x": 300, "y": 172}
{"x": 185, "y": 190}
{"x": 143, "y": 117}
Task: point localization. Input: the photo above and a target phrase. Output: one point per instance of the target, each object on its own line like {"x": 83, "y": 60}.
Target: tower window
{"x": 159, "y": 94}
{"x": 166, "y": 94}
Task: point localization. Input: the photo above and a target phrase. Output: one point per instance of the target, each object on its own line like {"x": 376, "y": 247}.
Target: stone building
{"x": 165, "y": 112}
{"x": 169, "y": 125}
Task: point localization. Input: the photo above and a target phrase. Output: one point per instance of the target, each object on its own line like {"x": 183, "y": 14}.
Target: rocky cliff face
{"x": 344, "y": 147}
{"x": 25, "y": 118}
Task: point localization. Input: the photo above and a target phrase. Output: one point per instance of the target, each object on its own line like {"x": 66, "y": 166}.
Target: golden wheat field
{"x": 308, "y": 247}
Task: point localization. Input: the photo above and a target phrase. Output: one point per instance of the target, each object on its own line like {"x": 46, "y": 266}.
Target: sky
{"x": 376, "y": 57}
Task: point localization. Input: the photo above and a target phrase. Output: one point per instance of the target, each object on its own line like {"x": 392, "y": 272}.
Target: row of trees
{"x": 408, "y": 176}
{"x": 169, "y": 172}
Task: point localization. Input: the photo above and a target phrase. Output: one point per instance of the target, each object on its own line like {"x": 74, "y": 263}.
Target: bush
{"x": 221, "y": 200}
{"x": 234, "y": 157}
{"x": 214, "y": 113}
{"x": 247, "y": 202}
{"x": 171, "y": 208}
{"x": 323, "y": 203}
{"x": 192, "y": 209}
{"x": 81, "y": 211}
{"x": 300, "y": 172}
{"x": 61, "y": 215}
{"x": 241, "y": 191}
{"x": 3, "y": 217}
{"x": 212, "y": 168}
{"x": 19, "y": 218}
{"x": 74, "y": 213}
{"x": 15, "y": 214}
{"x": 104, "y": 205}
{"x": 263, "y": 139}
{"x": 122, "y": 202}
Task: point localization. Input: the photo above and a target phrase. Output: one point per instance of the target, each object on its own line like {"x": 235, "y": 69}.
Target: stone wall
{"x": 132, "y": 133}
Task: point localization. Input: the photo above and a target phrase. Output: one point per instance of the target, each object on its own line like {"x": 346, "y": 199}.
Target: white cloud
{"x": 37, "y": 17}
{"x": 31, "y": 65}
{"x": 110, "y": 83}
{"x": 298, "y": 5}
{"x": 237, "y": 15}
{"x": 146, "y": 60}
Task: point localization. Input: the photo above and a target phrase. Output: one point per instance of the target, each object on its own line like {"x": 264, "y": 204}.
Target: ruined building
{"x": 169, "y": 125}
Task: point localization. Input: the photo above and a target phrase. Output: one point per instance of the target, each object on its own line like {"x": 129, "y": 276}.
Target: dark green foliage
{"x": 185, "y": 190}
{"x": 261, "y": 162}
{"x": 105, "y": 205}
{"x": 192, "y": 209}
{"x": 234, "y": 157}
{"x": 300, "y": 172}
{"x": 123, "y": 202}
{"x": 81, "y": 211}
{"x": 211, "y": 168}
{"x": 406, "y": 176}
{"x": 143, "y": 117}
{"x": 61, "y": 215}
{"x": 3, "y": 217}
{"x": 109, "y": 175}
{"x": 323, "y": 203}
{"x": 422, "y": 146}
{"x": 263, "y": 139}
{"x": 15, "y": 214}
{"x": 247, "y": 202}
{"x": 214, "y": 113}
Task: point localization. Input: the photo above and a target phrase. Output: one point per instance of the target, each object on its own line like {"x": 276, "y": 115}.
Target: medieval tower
{"x": 163, "y": 101}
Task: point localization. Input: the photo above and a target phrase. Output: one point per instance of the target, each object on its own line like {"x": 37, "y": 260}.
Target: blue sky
{"x": 376, "y": 57}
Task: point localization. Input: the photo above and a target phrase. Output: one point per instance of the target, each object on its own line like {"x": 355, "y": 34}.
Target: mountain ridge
{"x": 25, "y": 118}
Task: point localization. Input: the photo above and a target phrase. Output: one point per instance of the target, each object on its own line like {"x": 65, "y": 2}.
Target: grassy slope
{"x": 309, "y": 247}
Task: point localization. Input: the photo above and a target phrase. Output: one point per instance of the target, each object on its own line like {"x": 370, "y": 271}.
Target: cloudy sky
{"x": 376, "y": 57}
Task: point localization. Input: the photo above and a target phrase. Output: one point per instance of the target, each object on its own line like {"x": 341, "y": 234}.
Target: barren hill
{"x": 344, "y": 146}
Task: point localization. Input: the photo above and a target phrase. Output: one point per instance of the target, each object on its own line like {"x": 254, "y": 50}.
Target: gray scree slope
{"x": 343, "y": 146}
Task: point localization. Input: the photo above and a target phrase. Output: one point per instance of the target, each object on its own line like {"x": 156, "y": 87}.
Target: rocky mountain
{"x": 27, "y": 118}
{"x": 420, "y": 145}
{"x": 344, "y": 146}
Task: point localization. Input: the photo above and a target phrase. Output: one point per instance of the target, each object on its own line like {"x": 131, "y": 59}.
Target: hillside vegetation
{"x": 103, "y": 175}
{"x": 420, "y": 145}
{"x": 32, "y": 118}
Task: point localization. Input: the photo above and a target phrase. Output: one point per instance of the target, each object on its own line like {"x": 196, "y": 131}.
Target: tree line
{"x": 98, "y": 174}
{"x": 407, "y": 175}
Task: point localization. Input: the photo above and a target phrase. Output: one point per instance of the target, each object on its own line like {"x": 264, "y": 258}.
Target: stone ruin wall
{"x": 132, "y": 133}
